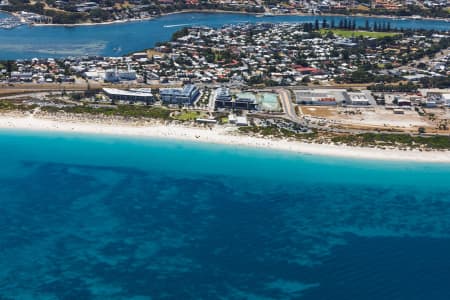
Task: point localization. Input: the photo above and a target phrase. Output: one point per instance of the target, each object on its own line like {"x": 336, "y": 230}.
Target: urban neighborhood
{"x": 323, "y": 81}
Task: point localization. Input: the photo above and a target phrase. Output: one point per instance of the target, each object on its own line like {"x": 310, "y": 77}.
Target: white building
{"x": 446, "y": 99}
{"x": 93, "y": 75}
{"x": 21, "y": 76}
{"x": 358, "y": 98}
{"x": 114, "y": 75}
{"x": 312, "y": 97}
{"x": 130, "y": 96}
{"x": 241, "y": 121}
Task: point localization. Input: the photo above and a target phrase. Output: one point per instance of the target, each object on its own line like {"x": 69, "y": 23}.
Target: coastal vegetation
{"x": 298, "y": 54}
{"x": 187, "y": 115}
{"x": 396, "y": 140}
{"x": 274, "y": 131}
{"x": 9, "y": 106}
{"x": 368, "y": 139}
{"x": 180, "y": 33}
{"x": 127, "y": 111}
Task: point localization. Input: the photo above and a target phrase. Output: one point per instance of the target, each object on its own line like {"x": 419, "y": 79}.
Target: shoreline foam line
{"x": 217, "y": 135}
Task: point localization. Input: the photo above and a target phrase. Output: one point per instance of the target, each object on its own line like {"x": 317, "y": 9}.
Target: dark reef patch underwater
{"x": 88, "y": 221}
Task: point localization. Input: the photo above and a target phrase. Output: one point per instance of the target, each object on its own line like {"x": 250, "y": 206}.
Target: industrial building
{"x": 323, "y": 97}
{"x": 357, "y": 98}
{"x": 315, "y": 98}
{"x": 130, "y": 96}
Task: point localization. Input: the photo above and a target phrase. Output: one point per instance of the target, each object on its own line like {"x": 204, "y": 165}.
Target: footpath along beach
{"x": 215, "y": 135}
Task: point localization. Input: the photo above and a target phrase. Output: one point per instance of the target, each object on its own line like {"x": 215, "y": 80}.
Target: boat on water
{"x": 10, "y": 23}
{"x": 178, "y": 25}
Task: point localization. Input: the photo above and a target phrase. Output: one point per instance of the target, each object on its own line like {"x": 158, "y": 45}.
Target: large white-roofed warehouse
{"x": 130, "y": 96}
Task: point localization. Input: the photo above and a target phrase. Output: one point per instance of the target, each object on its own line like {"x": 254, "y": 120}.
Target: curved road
{"x": 288, "y": 106}
{"x": 289, "y": 110}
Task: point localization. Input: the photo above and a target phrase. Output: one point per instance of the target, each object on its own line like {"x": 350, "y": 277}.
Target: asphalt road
{"x": 288, "y": 106}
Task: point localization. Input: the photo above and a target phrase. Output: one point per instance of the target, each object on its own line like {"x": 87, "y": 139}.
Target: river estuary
{"x": 122, "y": 38}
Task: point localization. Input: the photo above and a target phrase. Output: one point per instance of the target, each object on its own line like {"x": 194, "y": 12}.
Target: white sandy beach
{"x": 216, "y": 135}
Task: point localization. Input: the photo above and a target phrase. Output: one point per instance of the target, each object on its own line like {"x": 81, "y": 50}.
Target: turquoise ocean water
{"x": 90, "y": 217}
{"x": 120, "y": 39}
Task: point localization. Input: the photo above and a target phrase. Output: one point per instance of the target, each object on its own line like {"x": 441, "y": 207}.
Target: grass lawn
{"x": 351, "y": 33}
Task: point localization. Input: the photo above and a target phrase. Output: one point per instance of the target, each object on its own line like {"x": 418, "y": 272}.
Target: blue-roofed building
{"x": 243, "y": 101}
{"x": 186, "y": 95}
{"x": 223, "y": 98}
{"x": 246, "y": 101}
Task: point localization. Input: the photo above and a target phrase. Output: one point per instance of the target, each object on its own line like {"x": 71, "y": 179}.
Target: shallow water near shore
{"x": 93, "y": 217}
